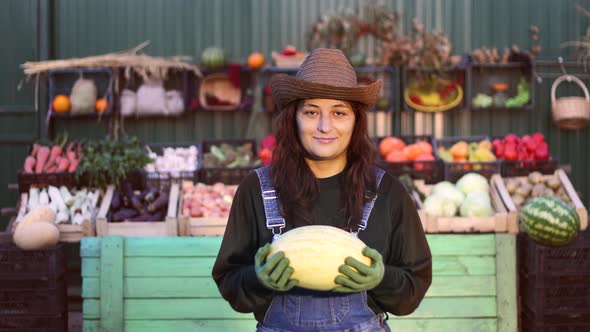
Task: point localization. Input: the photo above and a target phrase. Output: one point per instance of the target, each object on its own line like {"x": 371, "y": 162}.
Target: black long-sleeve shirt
{"x": 394, "y": 229}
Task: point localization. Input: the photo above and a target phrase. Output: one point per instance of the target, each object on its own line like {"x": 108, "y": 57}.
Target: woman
{"x": 323, "y": 173}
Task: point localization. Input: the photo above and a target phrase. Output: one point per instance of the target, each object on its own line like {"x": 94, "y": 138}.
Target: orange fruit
{"x": 389, "y": 144}
{"x": 61, "y": 104}
{"x": 101, "y": 105}
{"x": 256, "y": 61}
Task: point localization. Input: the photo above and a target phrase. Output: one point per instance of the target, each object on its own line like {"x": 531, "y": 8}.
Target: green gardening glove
{"x": 274, "y": 273}
{"x": 365, "y": 277}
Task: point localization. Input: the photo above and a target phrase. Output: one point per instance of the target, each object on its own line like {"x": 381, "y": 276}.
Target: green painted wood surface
{"x": 111, "y": 284}
{"x": 167, "y": 286}
{"x": 204, "y": 287}
{"x": 505, "y": 284}
{"x": 218, "y": 308}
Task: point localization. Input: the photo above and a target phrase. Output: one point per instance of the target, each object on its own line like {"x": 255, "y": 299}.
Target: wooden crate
{"x": 167, "y": 227}
{"x": 565, "y": 183}
{"x": 497, "y": 223}
{"x": 165, "y": 284}
{"x": 67, "y": 232}
{"x": 189, "y": 226}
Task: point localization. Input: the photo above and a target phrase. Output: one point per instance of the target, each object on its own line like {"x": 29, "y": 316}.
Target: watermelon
{"x": 213, "y": 57}
{"x": 550, "y": 221}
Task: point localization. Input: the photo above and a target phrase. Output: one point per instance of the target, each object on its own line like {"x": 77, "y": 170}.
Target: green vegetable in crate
{"x": 213, "y": 57}
{"x": 550, "y": 221}
{"x": 482, "y": 100}
{"x": 476, "y": 204}
{"x": 472, "y": 182}
{"x": 83, "y": 96}
{"x": 522, "y": 96}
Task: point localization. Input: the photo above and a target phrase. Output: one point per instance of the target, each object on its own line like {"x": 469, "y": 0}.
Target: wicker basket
{"x": 221, "y": 87}
{"x": 288, "y": 61}
{"x": 570, "y": 112}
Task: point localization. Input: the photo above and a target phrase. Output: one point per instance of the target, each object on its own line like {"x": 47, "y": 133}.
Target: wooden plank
{"x": 467, "y": 265}
{"x": 205, "y": 287}
{"x": 159, "y": 247}
{"x": 443, "y": 325}
{"x": 247, "y": 325}
{"x": 209, "y": 325}
{"x": 571, "y": 192}
{"x": 443, "y": 286}
{"x": 101, "y": 218}
{"x": 90, "y": 325}
{"x": 156, "y": 267}
{"x": 91, "y": 309}
{"x": 111, "y": 284}
{"x": 146, "y": 287}
{"x": 506, "y": 283}
{"x": 462, "y": 244}
{"x": 218, "y": 308}
{"x": 455, "y": 307}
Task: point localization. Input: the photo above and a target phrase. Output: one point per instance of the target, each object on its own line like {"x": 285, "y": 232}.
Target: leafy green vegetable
{"x": 107, "y": 161}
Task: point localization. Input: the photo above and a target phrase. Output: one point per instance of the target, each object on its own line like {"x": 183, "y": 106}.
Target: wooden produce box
{"x": 508, "y": 203}
{"x": 497, "y": 223}
{"x": 167, "y": 227}
{"x": 165, "y": 284}
{"x": 67, "y": 232}
{"x": 200, "y": 226}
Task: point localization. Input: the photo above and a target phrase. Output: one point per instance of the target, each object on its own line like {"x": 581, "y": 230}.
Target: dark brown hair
{"x": 296, "y": 185}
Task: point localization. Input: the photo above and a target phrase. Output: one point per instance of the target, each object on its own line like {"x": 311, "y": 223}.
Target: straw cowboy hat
{"x": 325, "y": 73}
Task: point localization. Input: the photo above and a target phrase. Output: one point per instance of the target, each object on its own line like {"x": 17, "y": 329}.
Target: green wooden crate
{"x": 164, "y": 284}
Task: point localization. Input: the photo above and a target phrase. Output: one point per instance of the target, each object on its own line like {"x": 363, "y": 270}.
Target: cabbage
{"x": 476, "y": 204}
{"x": 472, "y": 182}
{"x": 448, "y": 190}
{"x": 439, "y": 206}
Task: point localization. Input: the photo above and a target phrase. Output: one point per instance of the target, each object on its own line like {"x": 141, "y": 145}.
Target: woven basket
{"x": 570, "y": 112}
{"x": 288, "y": 61}
{"x": 221, "y": 87}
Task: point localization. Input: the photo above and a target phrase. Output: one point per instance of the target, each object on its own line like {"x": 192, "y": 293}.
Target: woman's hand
{"x": 365, "y": 277}
{"x": 274, "y": 273}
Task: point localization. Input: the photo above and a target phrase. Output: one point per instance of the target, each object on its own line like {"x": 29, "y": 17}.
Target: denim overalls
{"x": 306, "y": 310}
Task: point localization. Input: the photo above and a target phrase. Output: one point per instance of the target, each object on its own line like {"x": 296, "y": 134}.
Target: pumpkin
{"x": 316, "y": 252}
{"x": 36, "y": 236}
{"x": 61, "y": 104}
{"x": 256, "y": 61}
{"x": 41, "y": 214}
{"x": 101, "y": 105}
{"x": 213, "y": 57}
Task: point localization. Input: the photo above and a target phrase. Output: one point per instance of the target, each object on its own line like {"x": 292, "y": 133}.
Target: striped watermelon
{"x": 550, "y": 221}
{"x": 213, "y": 57}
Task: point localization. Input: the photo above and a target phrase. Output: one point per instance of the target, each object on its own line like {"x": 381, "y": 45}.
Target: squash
{"x": 316, "y": 252}
{"x": 42, "y": 214}
{"x": 213, "y": 57}
{"x": 36, "y": 236}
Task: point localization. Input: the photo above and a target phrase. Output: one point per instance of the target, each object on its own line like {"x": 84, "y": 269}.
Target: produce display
{"x": 213, "y": 57}
{"x": 550, "y": 221}
{"x": 522, "y": 97}
{"x": 173, "y": 160}
{"x": 267, "y": 145}
{"x": 207, "y": 201}
{"x": 462, "y": 151}
{"x": 230, "y": 156}
{"x": 56, "y": 158}
{"x": 432, "y": 95}
{"x": 393, "y": 149}
{"x": 524, "y": 189}
{"x": 469, "y": 197}
{"x": 68, "y": 207}
{"x": 525, "y": 148}
{"x": 127, "y": 204}
{"x": 316, "y": 252}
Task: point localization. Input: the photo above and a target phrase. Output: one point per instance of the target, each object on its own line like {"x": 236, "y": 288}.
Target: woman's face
{"x": 325, "y": 127}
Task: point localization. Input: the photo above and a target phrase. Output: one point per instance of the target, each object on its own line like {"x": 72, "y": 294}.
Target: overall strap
{"x": 274, "y": 220}
{"x": 369, "y": 205}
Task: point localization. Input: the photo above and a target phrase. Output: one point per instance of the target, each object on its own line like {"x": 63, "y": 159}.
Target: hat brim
{"x": 286, "y": 88}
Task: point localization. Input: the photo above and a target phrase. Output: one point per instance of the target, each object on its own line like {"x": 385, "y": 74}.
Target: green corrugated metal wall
{"x": 85, "y": 27}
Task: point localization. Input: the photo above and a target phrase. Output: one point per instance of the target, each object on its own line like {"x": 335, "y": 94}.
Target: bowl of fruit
{"x": 433, "y": 95}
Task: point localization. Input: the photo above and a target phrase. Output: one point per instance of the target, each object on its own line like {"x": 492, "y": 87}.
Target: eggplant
{"x": 124, "y": 214}
{"x": 116, "y": 201}
{"x": 110, "y": 216}
{"x": 158, "y": 216}
{"x": 159, "y": 203}
{"x": 151, "y": 195}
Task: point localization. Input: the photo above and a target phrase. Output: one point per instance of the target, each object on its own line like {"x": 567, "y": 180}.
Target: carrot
{"x": 73, "y": 165}
{"x": 51, "y": 169}
{"x": 29, "y": 164}
{"x": 42, "y": 156}
{"x": 35, "y": 150}
{"x": 62, "y": 165}
{"x": 70, "y": 152}
{"x": 56, "y": 151}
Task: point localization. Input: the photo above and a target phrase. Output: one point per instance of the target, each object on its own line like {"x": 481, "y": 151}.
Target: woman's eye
{"x": 340, "y": 114}
{"x": 309, "y": 112}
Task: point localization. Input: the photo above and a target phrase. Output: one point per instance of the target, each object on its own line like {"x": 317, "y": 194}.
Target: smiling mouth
{"x": 324, "y": 140}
